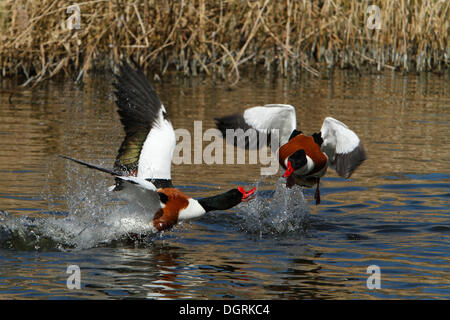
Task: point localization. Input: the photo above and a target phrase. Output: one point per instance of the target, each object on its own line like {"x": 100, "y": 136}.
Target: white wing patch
{"x": 338, "y": 137}
{"x": 155, "y": 160}
{"x": 342, "y": 146}
{"x": 272, "y": 116}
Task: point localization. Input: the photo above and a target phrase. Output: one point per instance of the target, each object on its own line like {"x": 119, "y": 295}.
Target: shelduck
{"x": 143, "y": 163}
{"x": 305, "y": 158}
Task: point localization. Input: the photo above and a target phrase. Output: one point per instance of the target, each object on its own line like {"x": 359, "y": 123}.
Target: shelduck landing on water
{"x": 143, "y": 163}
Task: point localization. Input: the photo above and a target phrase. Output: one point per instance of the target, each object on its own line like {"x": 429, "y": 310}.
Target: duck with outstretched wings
{"x": 143, "y": 163}
{"x": 305, "y": 158}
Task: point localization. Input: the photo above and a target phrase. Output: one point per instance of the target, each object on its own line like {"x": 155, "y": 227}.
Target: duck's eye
{"x": 163, "y": 197}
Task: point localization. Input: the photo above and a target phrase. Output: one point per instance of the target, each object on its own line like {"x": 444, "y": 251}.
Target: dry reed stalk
{"x": 222, "y": 38}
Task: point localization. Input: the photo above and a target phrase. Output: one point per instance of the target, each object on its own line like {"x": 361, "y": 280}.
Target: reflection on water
{"x": 393, "y": 213}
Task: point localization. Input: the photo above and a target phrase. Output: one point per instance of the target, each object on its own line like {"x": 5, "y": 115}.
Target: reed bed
{"x": 222, "y": 38}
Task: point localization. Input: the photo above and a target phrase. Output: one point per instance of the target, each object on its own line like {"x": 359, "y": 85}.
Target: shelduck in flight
{"x": 305, "y": 158}
{"x": 142, "y": 166}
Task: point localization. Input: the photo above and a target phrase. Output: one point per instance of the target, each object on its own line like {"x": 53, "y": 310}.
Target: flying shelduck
{"x": 305, "y": 158}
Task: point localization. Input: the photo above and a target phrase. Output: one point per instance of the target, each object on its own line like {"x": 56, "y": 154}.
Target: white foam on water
{"x": 285, "y": 212}
{"x": 96, "y": 216}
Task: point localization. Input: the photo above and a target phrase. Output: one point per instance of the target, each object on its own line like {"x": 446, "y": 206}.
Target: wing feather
{"x": 146, "y": 123}
{"x": 264, "y": 119}
{"x": 342, "y": 146}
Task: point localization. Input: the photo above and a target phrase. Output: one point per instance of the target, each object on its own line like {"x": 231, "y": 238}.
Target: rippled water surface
{"x": 394, "y": 212}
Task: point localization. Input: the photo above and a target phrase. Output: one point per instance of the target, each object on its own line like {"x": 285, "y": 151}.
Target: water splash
{"x": 95, "y": 217}
{"x": 120, "y": 223}
{"x": 285, "y": 212}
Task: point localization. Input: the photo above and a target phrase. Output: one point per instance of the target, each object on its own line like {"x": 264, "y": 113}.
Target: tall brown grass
{"x": 222, "y": 38}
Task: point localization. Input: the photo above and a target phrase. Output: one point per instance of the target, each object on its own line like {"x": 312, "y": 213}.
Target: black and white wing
{"x": 147, "y": 149}
{"x": 342, "y": 146}
{"x": 264, "y": 119}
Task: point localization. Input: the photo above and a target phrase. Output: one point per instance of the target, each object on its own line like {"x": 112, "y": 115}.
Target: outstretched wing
{"x": 264, "y": 119}
{"x": 342, "y": 146}
{"x": 147, "y": 149}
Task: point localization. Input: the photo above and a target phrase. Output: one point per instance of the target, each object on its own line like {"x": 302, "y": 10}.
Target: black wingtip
{"x": 234, "y": 122}
{"x": 139, "y": 108}
{"x": 250, "y": 140}
{"x": 134, "y": 92}
{"x": 89, "y": 165}
{"x": 221, "y": 125}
